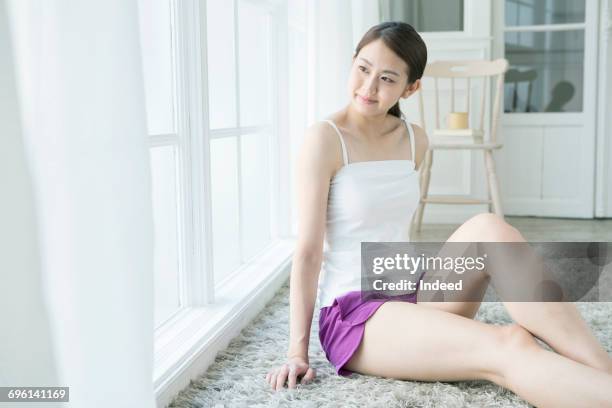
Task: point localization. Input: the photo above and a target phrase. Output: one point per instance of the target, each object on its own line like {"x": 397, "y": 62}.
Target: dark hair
{"x": 406, "y": 43}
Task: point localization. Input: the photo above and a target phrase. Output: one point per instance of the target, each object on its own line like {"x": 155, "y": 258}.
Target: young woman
{"x": 357, "y": 177}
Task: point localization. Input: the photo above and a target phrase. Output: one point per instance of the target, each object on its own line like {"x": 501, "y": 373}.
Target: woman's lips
{"x": 365, "y": 101}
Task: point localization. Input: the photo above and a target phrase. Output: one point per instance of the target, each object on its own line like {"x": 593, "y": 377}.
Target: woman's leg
{"x": 556, "y": 323}
{"x": 407, "y": 341}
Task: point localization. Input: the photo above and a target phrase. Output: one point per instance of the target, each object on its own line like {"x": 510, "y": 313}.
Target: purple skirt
{"x": 341, "y": 325}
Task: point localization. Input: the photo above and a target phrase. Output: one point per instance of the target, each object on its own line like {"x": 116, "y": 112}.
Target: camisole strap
{"x": 412, "y": 145}
{"x": 344, "y": 152}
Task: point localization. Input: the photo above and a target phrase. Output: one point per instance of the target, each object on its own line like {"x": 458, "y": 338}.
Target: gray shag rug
{"x": 237, "y": 377}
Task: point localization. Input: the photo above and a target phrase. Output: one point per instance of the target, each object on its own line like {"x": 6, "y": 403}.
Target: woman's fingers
{"x": 292, "y": 376}
{"x": 282, "y": 376}
{"x": 273, "y": 379}
{"x": 288, "y": 373}
{"x": 309, "y": 376}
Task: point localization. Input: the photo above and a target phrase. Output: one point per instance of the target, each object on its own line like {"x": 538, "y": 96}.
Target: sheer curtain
{"x": 335, "y": 27}
{"x": 76, "y": 233}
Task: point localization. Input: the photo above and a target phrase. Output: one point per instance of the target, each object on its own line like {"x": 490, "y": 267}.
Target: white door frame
{"x": 587, "y": 119}
{"x": 603, "y": 192}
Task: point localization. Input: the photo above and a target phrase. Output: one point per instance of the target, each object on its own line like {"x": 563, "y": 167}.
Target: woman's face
{"x": 378, "y": 79}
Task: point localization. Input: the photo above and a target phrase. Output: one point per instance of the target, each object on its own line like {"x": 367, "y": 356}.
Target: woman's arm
{"x": 422, "y": 143}
{"x": 314, "y": 171}
{"x": 318, "y": 158}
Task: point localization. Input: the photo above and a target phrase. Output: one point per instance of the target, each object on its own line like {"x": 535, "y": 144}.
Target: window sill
{"x": 187, "y": 344}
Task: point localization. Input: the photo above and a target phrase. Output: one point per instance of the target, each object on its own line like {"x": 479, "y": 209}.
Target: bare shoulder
{"x": 321, "y": 150}
{"x": 420, "y": 137}
{"x": 421, "y": 141}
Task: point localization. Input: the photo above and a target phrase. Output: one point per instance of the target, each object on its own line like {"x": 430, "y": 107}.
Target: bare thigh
{"x": 483, "y": 227}
{"x": 411, "y": 342}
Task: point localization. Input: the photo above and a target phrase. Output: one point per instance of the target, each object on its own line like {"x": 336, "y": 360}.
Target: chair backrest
{"x": 515, "y": 78}
{"x": 486, "y": 71}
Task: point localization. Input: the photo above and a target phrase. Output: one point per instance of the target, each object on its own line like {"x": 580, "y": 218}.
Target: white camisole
{"x": 371, "y": 201}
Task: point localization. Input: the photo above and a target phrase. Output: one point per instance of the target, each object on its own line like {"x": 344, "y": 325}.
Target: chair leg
{"x": 425, "y": 176}
{"x": 490, "y": 197}
{"x": 493, "y": 183}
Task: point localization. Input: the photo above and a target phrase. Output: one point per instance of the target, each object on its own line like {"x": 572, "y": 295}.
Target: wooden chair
{"x": 515, "y": 78}
{"x": 483, "y": 139}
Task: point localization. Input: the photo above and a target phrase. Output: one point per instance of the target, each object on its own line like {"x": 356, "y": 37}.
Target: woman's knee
{"x": 489, "y": 227}
{"x": 512, "y": 342}
{"x": 485, "y": 218}
{"x": 515, "y": 338}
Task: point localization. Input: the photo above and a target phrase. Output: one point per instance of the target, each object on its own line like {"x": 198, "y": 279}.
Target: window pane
{"x": 165, "y": 218}
{"x": 534, "y": 12}
{"x": 224, "y": 190}
{"x": 255, "y": 95}
{"x": 255, "y": 173}
{"x": 221, "y": 67}
{"x": 156, "y": 48}
{"x": 425, "y": 15}
{"x": 545, "y": 72}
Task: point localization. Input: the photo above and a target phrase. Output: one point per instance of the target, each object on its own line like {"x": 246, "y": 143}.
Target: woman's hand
{"x": 290, "y": 371}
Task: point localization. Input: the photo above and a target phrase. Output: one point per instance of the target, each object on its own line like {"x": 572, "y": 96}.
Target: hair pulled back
{"x": 406, "y": 43}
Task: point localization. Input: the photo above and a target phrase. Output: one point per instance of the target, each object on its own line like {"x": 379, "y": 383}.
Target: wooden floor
{"x": 534, "y": 230}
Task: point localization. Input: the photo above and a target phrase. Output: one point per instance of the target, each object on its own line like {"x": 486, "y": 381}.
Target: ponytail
{"x": 396, "y": 111}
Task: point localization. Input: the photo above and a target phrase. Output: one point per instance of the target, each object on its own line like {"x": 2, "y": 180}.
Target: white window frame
{"x": 587, "y": 115}
{"x": 472, "y": 14}
{"x": 179, "y": 139}
{"x": 210, "y": 314}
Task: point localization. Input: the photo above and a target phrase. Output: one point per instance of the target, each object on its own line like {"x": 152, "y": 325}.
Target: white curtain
{"x": 76, "y": 295}
{"x": 335, "y": 27}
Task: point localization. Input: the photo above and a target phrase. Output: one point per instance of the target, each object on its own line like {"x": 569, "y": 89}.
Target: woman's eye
{"x": 385, "y": 78}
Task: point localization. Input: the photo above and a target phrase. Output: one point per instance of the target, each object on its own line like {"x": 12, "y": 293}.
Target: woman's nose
{"x": 371, "y": 86}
